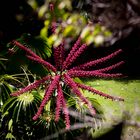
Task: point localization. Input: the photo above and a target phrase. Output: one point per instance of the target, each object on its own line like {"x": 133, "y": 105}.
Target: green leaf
{"x": 10, "y": 125}
{"x": 22, "y": 107}
{"x": 10, "y": 136}
{"x": 9, "y": 104}
{"x": 5, "y": 91}
{"x": 69, "y": 31}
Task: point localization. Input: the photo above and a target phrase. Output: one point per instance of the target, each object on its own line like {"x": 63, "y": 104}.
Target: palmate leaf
{"x": 22, "y": 107}
{"x": 5, "y": 91}
{"x": 39, "y": 45}
{"x": 20, "y": 110}
{"x": 5, "y": 87}
{"x": 2, "y": 65}
{"x": 36, "y": 44}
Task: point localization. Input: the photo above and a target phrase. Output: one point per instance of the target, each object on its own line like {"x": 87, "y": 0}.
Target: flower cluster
{"x": 63, "y": 74}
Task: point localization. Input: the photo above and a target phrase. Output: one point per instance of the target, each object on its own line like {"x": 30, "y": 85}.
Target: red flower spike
{"x": 97, "y": 61}
{"x": 75, "y": 89}
{"x": 98, "y": 92}
{"x": 27, "y": 50}
{"x": 59, "y": 55}
{"x": 44, "y": 63}
{"x": 73, "y": 50}
{"x": 66, "y": 113}
{"x": 76, "y": 55}
{"x": 58, "y": 102}
{"x": 107, "y": 69}
{"x": 47, "y": 96}
{"x": 32, "y": 86}
{"x": 62, "y": 53}
{"x": 33, "y": 56}
{"x": 81, "y": 73}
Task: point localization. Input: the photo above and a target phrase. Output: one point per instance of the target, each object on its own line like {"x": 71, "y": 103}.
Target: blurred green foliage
{"x": 69, "y": 24}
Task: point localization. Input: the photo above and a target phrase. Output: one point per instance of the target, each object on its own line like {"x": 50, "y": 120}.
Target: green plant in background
{"x": 38, "y": 45}
{"x": 16, "y": 116}
{"x": 6, "y": 87}
{"x": 69, "y": 24}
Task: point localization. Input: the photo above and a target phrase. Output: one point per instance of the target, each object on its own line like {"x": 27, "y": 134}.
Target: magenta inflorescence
{"x": 63, "y": 74}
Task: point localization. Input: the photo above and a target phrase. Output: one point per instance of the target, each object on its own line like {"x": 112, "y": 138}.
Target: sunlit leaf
{"x": 10, "y": 124}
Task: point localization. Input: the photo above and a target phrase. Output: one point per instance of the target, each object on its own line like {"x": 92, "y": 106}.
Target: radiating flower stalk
{"x": 63, "y": 74}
